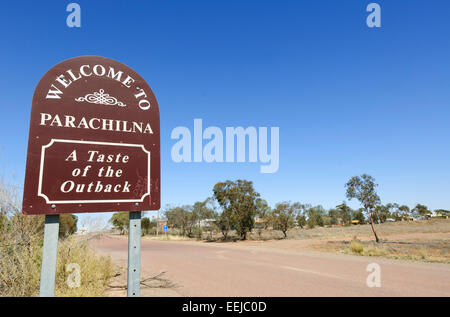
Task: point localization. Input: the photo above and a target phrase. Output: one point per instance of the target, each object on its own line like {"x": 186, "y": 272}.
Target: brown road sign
{"x": 94, "y": 142}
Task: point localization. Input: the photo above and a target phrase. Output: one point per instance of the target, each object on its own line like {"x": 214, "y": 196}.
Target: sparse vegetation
{"x": 237, "y": 212}
{"x": 424, "y": 240}
{"x": 96, "y": 270}
{"x": 356, "y": 247}
{"x": 21, "y": 236}
{"x": 428, "y": 251}
{"x": 21, "y": 240}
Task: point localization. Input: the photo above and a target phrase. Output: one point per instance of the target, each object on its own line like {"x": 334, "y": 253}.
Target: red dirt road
{"x": 222, "y": 269}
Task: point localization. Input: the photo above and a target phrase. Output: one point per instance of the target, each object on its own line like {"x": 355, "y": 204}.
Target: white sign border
{"x": 41, "y": 171}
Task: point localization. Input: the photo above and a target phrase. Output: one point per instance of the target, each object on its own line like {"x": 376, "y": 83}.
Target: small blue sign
{"x": 165, "y": 228}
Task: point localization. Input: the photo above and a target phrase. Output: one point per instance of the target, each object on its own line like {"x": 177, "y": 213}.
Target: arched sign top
{"x": 94, "y": 142}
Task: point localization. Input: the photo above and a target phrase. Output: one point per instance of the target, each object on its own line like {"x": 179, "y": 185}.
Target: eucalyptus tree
{"x": 238, "y": 202}
{"x": 345, "y": 213}
{"x": 421, "y": 210}
{"x": 404, "y": 211}
{"x": 283, "y": 216}
{"x": 363, "y": 188}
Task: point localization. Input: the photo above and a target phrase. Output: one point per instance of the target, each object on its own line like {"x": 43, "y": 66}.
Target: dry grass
{"x": 384, "y": 230}
{"x": 21, "y": 240}
{"x": 356, "y": 247}
{"x": 167, "y": 238}
{"x": 21, "y": 255}
{"x": 426, "y": 251}
{"x": 95, "y": 270}
{"x": 425, "y": 240}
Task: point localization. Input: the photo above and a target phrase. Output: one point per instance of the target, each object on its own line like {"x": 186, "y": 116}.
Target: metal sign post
{"x": 49, "y": 253}
{"x": 134, "y": 255}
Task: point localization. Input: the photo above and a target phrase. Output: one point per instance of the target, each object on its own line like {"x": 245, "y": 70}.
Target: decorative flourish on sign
{"x": 101, "y": 98}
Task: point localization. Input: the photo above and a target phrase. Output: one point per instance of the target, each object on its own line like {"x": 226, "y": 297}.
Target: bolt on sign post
{"x": 94, "y": 146}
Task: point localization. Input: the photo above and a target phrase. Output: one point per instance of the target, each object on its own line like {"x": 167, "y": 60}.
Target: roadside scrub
{"x": 169, "y": 237}
{"x": 425, "y": 251}
{"x": 95, "y": 271}
{"x": 21, "y": 241}
{"x": 356, "y": 247}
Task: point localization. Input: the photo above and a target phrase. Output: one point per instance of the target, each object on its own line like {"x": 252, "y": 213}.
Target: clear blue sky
{"x": 348, "y": 99}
